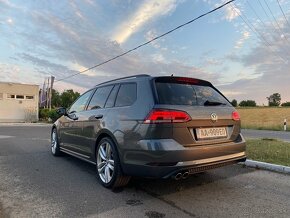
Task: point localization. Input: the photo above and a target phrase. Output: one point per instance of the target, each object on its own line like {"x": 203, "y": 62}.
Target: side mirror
{"x": 61, "y": 111}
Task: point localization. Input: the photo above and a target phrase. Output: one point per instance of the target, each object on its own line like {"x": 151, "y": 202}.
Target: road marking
{"x": 6, "y": 136}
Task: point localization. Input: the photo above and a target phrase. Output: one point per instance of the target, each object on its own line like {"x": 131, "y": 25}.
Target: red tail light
{"x": 235, "y": 116}
{"x": 167, "y": 116}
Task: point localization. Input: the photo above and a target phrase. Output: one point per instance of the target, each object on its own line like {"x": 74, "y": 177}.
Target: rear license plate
{"x": 208, "y": 133}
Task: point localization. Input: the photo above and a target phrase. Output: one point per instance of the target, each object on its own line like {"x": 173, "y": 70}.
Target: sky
{"x": 243, "y": 49}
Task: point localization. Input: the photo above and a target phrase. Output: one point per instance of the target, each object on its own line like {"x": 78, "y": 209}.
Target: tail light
{"x": 235, "y": 116}
{"x": 167, "y": 116}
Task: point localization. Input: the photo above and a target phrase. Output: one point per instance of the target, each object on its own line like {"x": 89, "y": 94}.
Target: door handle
{"x": 99, "y": 116}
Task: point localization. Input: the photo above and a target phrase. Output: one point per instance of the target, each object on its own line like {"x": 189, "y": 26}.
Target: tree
{"x": 55, "y": 99}
{"x": 248, "y": 103}
{"x": 68, "y": 97}
{"x": 234, "y": 103}
{"x": 274, "y": 100}
{"x": 286, "y": 104}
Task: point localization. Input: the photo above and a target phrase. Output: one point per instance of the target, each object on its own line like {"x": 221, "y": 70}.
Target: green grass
{"x": 269, "y": 150}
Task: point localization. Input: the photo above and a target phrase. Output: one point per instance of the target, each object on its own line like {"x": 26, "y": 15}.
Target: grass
{"x": 269, "y": 150}
{"x": 267, "y": 118}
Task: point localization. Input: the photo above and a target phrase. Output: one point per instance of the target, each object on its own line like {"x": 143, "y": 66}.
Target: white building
{"x": 18, "y": 102}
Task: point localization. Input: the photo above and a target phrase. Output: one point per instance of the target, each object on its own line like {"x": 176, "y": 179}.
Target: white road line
{"x": 6, "y": 136}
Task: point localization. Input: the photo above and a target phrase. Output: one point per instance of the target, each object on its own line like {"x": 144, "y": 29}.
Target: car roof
{"x": 146, "y": 76}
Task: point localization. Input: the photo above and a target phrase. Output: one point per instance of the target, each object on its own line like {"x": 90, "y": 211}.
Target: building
{"x": 18, "y": 102}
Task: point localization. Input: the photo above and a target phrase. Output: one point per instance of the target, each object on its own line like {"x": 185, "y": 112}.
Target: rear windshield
{"x": 188, "y": 94}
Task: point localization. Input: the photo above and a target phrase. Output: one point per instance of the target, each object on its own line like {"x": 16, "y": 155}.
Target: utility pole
{"x": 47, "y": 93}
{"x": 50, "y": 90}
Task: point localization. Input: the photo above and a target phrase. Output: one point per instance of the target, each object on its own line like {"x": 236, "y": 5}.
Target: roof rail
{"x": 127, "y": 77}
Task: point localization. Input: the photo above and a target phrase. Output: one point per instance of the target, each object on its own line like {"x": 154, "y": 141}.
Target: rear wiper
{"x": 213, "y": 103}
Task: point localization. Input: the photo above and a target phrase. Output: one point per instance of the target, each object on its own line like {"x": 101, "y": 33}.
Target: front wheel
{"x": 54, "y": 143}
{"x": 109, "y": 171}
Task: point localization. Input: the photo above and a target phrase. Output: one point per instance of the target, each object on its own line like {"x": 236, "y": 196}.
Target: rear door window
{"x": 127, "y": 95}
{"x": 99, "y": 98}
{"x": 182, "y": 93}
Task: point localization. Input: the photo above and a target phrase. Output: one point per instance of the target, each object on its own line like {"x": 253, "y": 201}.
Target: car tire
{"x": 55, "y": 149}
{"x": 108, "y": 167}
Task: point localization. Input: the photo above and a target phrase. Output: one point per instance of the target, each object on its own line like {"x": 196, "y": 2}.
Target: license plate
{"x": 208, "y": 133}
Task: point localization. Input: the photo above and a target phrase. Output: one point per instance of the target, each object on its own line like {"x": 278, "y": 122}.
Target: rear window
{"x": 175, "y": 93}
{"x": 127, "y": 95}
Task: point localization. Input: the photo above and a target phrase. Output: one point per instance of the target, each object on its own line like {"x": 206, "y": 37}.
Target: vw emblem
{"x": 214, "y": 117}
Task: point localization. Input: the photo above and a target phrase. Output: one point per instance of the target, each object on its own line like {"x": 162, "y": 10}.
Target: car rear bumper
{"x": 165, "y": 158}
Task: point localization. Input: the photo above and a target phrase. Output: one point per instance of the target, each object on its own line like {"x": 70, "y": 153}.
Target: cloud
{"x": 270, "y": 66}
{"x": 231, "y": 12}
{"x": 147, "y": 11}
{"x": 240, "y": 42}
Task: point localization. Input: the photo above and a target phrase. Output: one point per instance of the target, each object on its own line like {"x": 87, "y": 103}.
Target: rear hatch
{"x": 212, "y": 119}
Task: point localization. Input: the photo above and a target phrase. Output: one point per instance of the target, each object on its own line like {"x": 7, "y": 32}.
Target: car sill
{"x": 77, "y": 155}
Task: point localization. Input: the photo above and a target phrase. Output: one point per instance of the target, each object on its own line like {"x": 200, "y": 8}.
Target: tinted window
{"x": 80, "y": 103}
{"x": 127, "y": 95}
{"x": 99, "y": 98}
{"x": 188, "y": 94}
{"x": 111, "y": 100}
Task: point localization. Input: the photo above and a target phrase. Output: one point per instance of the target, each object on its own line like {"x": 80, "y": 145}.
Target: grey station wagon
{"x": 156, "y": 127}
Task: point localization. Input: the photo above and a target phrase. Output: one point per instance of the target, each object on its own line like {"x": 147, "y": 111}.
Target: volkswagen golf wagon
{"x": 156, "y": 127}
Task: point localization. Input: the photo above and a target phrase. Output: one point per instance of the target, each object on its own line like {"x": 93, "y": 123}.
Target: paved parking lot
{"x": 33, "y": 183}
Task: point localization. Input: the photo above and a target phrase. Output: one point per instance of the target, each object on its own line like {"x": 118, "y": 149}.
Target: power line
{"x": 148, "y": 42}
{"x": 274, "y": 18}
{"x": 247, "y": 22}
{"x": 283, "y": 12}
{"x": 260, "y": 20}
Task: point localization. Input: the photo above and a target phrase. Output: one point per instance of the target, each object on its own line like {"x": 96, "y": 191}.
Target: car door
{"x": 72, "y": 125}
{"x": 95, "y": 115}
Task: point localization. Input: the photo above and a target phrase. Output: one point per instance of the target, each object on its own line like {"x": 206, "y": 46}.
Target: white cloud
{"x": 240, "y": 42}
{"x": 158, "y": 58}
{"x": 9, "y": 21}
{"x": 147, "y": 11}
{"x": 231, "y": 12}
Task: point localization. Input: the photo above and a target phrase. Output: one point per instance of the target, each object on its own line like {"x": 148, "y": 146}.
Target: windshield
{"x": 188, "y": 94}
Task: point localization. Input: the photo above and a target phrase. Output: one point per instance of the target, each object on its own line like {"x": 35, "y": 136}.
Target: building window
{"x": 30, "y": 97}
{"x": 1, "y": 96}
{"x": 19, "y": 96}
{"x": 10, "y": 96}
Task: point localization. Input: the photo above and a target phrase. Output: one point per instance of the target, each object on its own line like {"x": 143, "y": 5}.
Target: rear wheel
{"x": 54, "y": 143}
{"x": 109, "y": 171}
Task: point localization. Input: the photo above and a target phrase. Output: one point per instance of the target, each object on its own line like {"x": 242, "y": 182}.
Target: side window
{"x": 99, "y": 98}
{"x": 111, "y": 100}
{"x": 127, "y": 95}
{"x": 80, "y": 103}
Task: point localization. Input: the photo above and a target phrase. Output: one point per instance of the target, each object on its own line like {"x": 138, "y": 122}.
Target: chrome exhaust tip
{"x": 178, "y": 176}
{"x": 185, "y": 175}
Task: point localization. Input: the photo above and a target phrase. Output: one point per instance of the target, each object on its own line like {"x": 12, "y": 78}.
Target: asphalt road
{"x": 33, "y": 183}
{"x": 281, "y": 135}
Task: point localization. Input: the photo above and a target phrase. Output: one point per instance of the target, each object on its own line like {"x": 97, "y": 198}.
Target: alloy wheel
{"x": 53, "y": 141}
{"x": 105, "y": 162}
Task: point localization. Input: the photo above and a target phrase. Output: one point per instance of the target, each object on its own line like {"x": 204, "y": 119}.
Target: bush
{"x": 53, "y": 115}
{"x": 43, "y": 113}
{"x": 248, "y": 103}
{"x": 286, "y": 104}
{"x": 234, "y": 103}
{"x": 46, "y": 114}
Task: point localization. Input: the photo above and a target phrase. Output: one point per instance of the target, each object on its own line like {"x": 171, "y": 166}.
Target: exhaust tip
{"x": 185, "y": 175}
{"x": 178, "y": 176}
